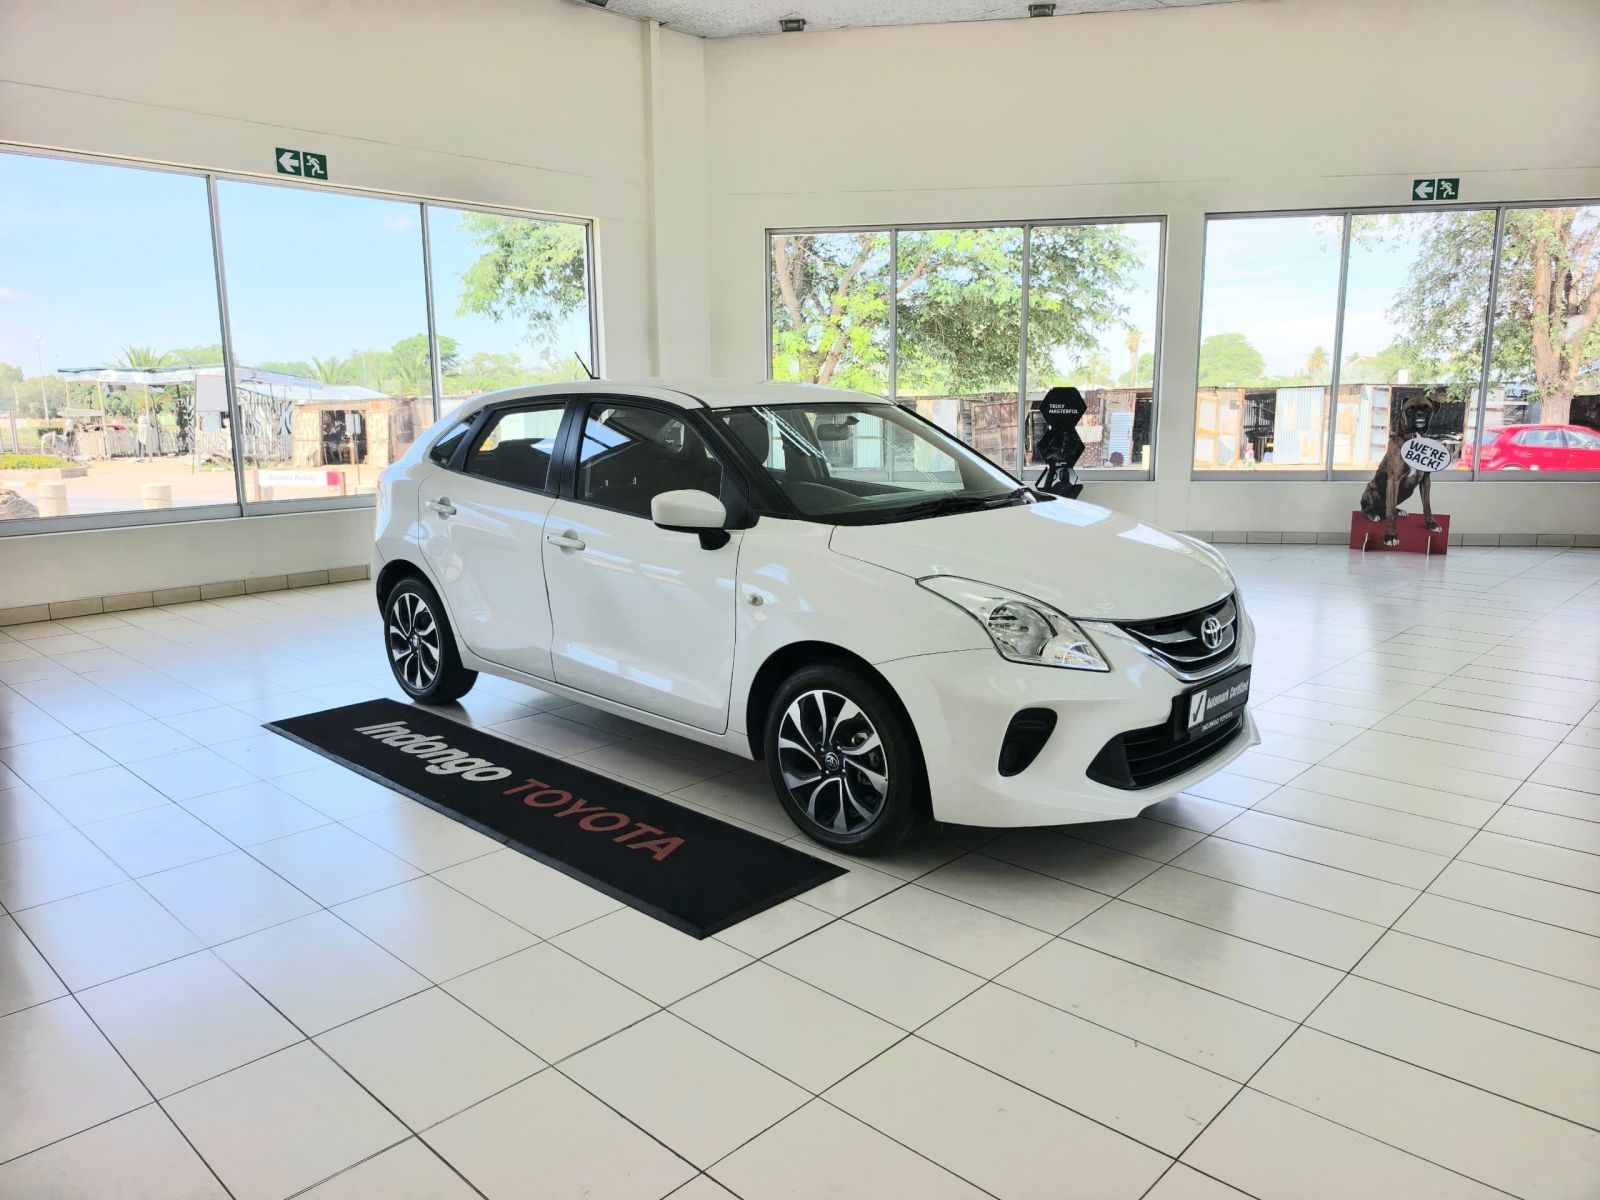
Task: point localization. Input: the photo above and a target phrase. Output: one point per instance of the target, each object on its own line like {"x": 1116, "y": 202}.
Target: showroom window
{"x": 1092, "y": 313}
{"x": 983, "y": 320}
{"x": 1267, "y": 325}
{"x": 1417, "y": 287}
{"x": 112, "y": 397}
{"x": 958, "y": 326}
{"x": 829, "y": 316}
{"x": 1415, "y": 312}
{"x": 510, "y": 299}
{"x": 1544, "y": 365}
{"x": 116, "y": 403}
{"x": 329, "y": 319}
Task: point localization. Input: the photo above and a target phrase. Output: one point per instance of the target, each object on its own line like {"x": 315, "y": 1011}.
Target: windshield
{"x": 862, "y": 463}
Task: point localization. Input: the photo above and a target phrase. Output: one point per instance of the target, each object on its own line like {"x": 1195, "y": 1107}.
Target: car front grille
{"x": 1178, "y": 641}
{"x": 1142, "y": 758}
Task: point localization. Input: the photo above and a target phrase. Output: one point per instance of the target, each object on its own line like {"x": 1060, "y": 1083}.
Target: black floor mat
{"x": 691, "y": 871}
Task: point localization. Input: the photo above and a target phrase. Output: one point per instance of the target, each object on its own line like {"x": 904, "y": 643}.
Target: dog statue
{"x": 1395, "y": 480}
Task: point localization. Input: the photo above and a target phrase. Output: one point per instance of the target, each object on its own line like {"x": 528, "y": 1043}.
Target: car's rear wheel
{"x": 421, "y": 646}
{"x": 844, "y": 760}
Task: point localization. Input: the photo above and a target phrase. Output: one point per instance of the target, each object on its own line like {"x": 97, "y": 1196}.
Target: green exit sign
{"x": 306, "y": 163}
{"x": 1438, "y": 188}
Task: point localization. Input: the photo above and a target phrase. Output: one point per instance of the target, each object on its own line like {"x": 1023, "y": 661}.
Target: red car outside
{"x": 1538, "y": 448}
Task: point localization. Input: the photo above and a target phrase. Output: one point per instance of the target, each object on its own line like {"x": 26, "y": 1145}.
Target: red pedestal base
{"x": 1414, "y": 537}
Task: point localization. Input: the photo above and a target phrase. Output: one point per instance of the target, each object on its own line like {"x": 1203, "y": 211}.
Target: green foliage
{"x": 285, "y": 367}
{"x": 1144, "y": 372}
{"x": 31, "y": 462}
{"x": 831, "y": 309}
{"x": 959, "y": 306}
{"x": 529, "y": 271}
{"x": 197, "y": 356}
{"x": 10, "y": 373}
{"x": 140, "y": 358}
{"x": 1548, "y": 299}
{"x": 1229, "y": 360}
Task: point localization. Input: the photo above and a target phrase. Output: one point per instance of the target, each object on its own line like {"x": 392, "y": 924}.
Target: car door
{"x": 1584, "y": 449}
{"x": 1542, "y": 449}
{"x": 643, "y": 616}
{"x": 482, "y": 516}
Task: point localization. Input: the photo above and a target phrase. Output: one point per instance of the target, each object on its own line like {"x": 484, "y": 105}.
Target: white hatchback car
{"x": 822, "y": 580}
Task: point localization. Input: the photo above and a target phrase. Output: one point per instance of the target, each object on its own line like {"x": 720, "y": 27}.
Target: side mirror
{"x": 692, "y": 511}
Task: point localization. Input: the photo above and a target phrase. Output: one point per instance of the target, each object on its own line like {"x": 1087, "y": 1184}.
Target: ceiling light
{"x": 1034, "y": 10}
{"x": 792, "y": 24}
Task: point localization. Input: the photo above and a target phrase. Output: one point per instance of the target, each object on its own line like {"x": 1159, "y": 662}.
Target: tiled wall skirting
{"x": 1224, "y": 537}
{"x": 180, "y": 595}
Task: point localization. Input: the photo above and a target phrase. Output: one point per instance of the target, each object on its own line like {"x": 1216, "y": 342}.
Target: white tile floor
{"x": 1363, "y": 962}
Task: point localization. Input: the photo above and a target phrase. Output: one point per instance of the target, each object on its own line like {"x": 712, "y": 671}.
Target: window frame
{"x": 1328, "y": 473}
{"x": 483, "y": 420}
{"x": 733, "y": 490}
{"x": 241, "y": 507}
{"x": 895, "y": 229}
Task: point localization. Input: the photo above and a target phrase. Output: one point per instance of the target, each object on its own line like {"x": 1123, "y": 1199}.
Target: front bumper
{"x": 961, "y": 703}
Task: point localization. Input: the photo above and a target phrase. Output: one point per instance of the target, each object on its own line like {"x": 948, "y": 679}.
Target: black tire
{"x": 844, "y": 760}
{"x": 421, "y": 646}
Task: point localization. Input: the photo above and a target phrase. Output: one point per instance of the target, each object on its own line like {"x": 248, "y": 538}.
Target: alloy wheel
{"x": 832, "y": 761}
{"x": 413, "y": 640}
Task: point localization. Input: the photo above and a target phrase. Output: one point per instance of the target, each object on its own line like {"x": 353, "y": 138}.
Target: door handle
{"x": 442, "y": 506}
{"x": 566, "y": 541}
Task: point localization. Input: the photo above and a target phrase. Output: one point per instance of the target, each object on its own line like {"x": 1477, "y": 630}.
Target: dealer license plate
{"x": 1201, "y": 709}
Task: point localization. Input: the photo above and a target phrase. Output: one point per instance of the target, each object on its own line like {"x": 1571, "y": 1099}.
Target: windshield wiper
{"x": 946, "y": 505}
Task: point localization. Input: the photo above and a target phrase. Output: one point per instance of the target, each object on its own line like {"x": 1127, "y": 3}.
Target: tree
{"x": 1135, "y": 337}
{"x": 197, "y": 356}
{"x": 407, "y": 372}
{"x": 417, "y": 343}
{"x": 1548, "y": 300}
{"x": 958, "y": 305}
{"x": 141, "y": 358}
{"x": 1144, "y": 371}
{"x": 831, "y": 304}
{"x": 10, "y": 373}
{"x": 535, "y": 272}
{"x": 294, "y": 366}
{"x": 334, "y": 369}
{"x": 1229, "y": 360}
{"x": 1317, "y": 364}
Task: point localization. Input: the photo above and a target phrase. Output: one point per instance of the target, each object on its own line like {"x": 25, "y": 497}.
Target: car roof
{"x": 685, "y": 393}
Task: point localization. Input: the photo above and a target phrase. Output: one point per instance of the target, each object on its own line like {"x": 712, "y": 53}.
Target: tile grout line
{"x": 1346, "y": 975}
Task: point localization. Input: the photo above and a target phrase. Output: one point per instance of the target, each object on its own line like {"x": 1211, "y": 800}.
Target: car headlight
{"x": 1023, "y": 629}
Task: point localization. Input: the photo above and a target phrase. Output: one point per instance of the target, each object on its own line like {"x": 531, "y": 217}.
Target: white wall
{"x": 531, "y": 104}
{"x": 1277, "y": 104}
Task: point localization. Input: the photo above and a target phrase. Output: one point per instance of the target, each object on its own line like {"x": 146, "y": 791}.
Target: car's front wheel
{"x": 421, "y": 646}
{"x": 844, "y": 760}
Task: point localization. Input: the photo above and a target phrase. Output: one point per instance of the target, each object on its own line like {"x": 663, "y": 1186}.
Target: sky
{"x": 95, "y": 257}
{"x": 1276, "y": 280}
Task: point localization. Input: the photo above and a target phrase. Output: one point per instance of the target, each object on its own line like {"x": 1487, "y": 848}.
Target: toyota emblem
{"x": 1211, "y": 633}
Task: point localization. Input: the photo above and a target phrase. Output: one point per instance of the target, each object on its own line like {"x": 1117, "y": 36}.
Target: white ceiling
{"x": 739, "y": 18}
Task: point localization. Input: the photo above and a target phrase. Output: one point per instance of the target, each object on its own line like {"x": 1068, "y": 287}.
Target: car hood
{"x": 1087, "y": 561}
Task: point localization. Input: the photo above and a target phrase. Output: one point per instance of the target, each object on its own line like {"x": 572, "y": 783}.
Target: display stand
{"x": 1415, "y": 537}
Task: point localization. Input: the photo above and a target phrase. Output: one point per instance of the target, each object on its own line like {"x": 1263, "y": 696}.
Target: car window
{"x": 1582, "y": 439}
{"x": 445, "y": 448}
{"x": 1539, "y": 437}
{"x": 630, "y": 455}
{"x": 516, "y": 446}
{"x": 866, "y": 462}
